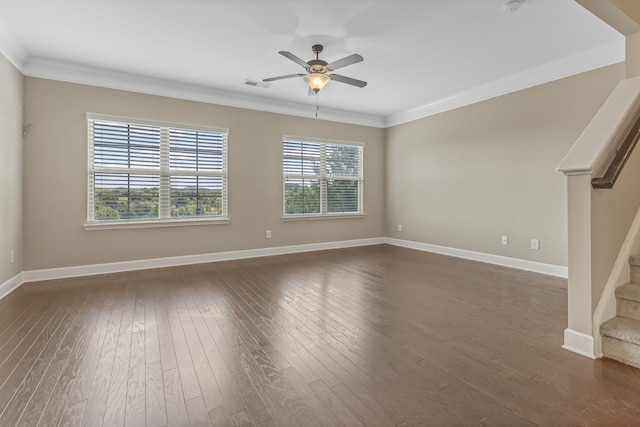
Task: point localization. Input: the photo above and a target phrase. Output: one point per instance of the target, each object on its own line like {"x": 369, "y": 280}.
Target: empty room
{"x": 338, "y": 213}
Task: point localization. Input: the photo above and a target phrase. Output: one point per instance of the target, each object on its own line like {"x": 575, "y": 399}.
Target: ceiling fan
{"x": 317, "y": 70}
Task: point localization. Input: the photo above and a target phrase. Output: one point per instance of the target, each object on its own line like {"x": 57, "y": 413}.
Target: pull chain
{"x": 317, "y": 103}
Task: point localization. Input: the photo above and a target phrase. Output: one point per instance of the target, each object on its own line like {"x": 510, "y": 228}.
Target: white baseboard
{"x": 537, "y": 267}
{"x": 579, "y": 343}
{"x": 117, "y": 267}
{"x": 10, "y": 285}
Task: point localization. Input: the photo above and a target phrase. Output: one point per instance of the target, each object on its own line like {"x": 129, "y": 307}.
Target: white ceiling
{"x": 420, "y": 56}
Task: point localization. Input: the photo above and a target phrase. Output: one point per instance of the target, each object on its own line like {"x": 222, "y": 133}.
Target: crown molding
{"x": 602, "y": 56}
{"x": 608, "y": 54}
{"x": 11, "y": 47}
{"x": 92, "y": 76}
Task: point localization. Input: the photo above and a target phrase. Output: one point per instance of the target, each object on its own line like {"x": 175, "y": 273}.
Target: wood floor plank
{"x": 25, "y": 355}
{"x": 117, "y": 394}
{"x": 135, "y": 409}
{"x": 149, "y": 291}
{"x": 39, "y": 360}
{"x": 373, "y": 336}
{"x": 233, "y": 402}
{"x": 220, "y": 417}
{"x": 280, "y": 388}
{"x": 209, "y": 386}
{"x": 188, "y": 375}
{"x": 240, "y": 419}
{"x": 334, "y": 403}
{"x": 253, "y": 399}
{"x": 98, "y": 392}
{"x": 174, "y": 399}
{"x": 45, "y": 400}
{"x": 321, "y": 412}
{"x": 165, "y": 338}
{"x": 20, "y": 337}
{"x": 257, "y": 388}
{"x": 364, "y": 411}
{"x": 17, "y": 318}
{"x": 228, "y": 366}
{"x": 197, "y": 412}
{"x": 72, "y": 416}
{"x": 136, "y": 382}
{"x": 155, "y": 406}
{"x": 226, "y": 361}
{"x": 75, "y": 367}
{"x": 84, "y": 376}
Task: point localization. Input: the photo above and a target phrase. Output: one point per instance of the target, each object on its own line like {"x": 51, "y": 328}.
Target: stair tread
{"x": 630, "y": 291}
{"x": 622, "y": 329}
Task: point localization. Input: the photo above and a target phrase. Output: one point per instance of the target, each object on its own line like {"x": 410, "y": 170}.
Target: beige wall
{"x": 610, "y": 12}
{"x": 463, "y": 178}
{"x": 11, "y": 101}
{"x": 459, "y": 179}
{"x": 630, "y": 7}
{"x": 56, "y": 171}
{"x": 632, "y": 49}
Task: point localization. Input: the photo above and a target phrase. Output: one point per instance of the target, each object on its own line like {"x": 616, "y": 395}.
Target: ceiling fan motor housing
{"x": 317, "y": 66}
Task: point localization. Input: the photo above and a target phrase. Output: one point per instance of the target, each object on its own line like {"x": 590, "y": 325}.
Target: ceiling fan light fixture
{"x": 317, "y": 81}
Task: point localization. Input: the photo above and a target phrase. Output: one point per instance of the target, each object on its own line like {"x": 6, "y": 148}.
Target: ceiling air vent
{"x": 256, "y": 84}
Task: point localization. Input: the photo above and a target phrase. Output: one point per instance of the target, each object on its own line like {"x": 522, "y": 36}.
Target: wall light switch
{"x": 12, "y": 256}
{"x": 505, "y": 240}
{"x": 399, "y": 227}
{"x": 268, "y": 234}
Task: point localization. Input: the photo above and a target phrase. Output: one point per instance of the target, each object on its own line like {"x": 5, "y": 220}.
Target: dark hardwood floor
{"x": 371, "y": 336}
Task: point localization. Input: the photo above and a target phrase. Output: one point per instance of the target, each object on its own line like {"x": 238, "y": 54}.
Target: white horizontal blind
{"x": 344, "y": 178}
{"x": 321, "y": 178}
{"x": 154, "y": 171}
{"x": 198, "y": 164}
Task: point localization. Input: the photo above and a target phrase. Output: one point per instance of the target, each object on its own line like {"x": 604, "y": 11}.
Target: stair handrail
{"x": 620, "y": 159}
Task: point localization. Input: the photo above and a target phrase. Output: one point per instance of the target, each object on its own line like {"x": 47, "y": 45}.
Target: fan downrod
{"x": 317, "y": 49}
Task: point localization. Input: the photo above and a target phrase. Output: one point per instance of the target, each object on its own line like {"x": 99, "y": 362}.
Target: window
{"x": 149, "y": 172}
{"x": 321, "y": 178}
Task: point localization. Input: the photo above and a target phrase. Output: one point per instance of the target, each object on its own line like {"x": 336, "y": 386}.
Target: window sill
{"x": 315, "y": 217}
{"x": 119, "y": 225}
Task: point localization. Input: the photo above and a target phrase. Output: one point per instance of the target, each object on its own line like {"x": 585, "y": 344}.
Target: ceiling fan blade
{"x": 294, "y": 58}
{"x": 351, "y": 59}
{"x": 348, "y": 80}
{"x": 270, "y": 79}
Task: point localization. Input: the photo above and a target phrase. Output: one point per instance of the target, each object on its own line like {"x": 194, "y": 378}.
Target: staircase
{"x": 621, "y": 335}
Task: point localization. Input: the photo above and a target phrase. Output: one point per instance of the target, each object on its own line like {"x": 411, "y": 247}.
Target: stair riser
{"x": 621, "y": 351}
{"x": 629, "y": 309}
{"x": 635, "y": 273}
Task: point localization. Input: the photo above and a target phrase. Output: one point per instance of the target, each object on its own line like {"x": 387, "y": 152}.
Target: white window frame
{"x": 323, "y": 177}
{"x": 164, "y": 172}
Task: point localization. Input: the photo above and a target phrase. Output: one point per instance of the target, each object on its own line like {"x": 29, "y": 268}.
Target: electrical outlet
{"x": 399, "y": 227}
{"x": 268, "y": 234}
{"x": 535, "y": 244}
{"x": 12, "y": 256}
{"x": 505, "y": 240}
